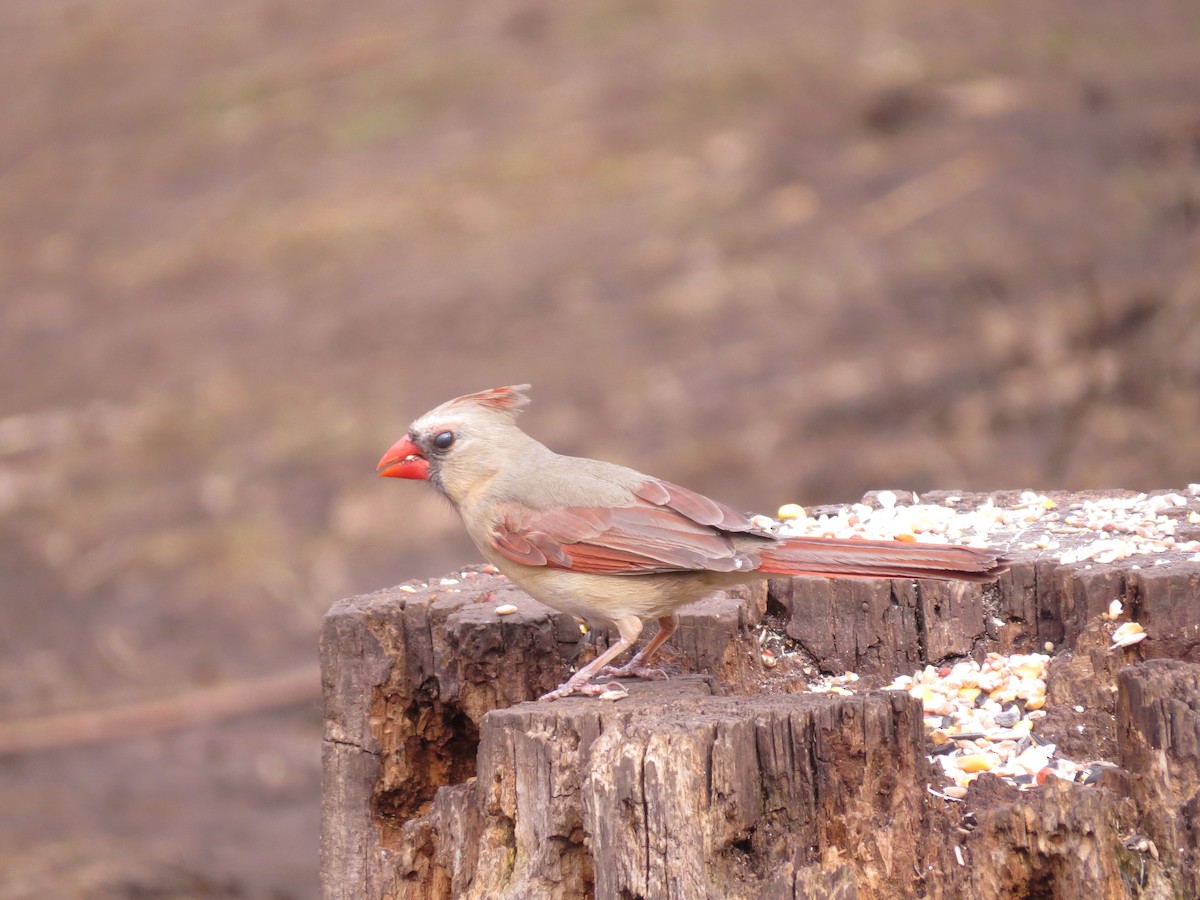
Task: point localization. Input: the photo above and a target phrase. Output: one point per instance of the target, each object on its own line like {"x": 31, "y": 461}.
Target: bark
{"x": 676, "y": 793}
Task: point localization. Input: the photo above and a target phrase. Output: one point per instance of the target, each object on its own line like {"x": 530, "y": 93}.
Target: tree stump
{"x": 676, "y": 792}
{"x": 442, "y": 779}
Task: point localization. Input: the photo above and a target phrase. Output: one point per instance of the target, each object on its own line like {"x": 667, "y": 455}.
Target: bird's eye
{"x": 444, "y": 440}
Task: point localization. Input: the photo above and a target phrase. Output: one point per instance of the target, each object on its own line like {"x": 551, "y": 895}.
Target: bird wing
{"x": 665, "y": 529}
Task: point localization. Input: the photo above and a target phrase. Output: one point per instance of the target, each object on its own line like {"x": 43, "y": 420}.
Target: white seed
{"x": 1128, "y": 634}
{"x": 1034, "y": 759}
{"x": 506, "y": 609}
{"x": 1031, "y": 687}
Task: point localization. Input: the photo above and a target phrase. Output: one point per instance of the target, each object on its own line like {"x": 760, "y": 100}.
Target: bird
{"x": 613, "y": 546}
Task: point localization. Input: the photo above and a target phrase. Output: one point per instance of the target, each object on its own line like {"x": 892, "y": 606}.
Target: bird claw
{"x": 583, "y": 688}
{"x": 634, "y": 670}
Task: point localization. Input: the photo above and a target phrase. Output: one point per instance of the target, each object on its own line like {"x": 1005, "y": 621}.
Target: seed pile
{"x": 981, "y": 716}
{"x": 1102, "y": 530}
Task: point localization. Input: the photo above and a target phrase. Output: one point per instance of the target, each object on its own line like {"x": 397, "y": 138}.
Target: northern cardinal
{"x": 613, "y": 546}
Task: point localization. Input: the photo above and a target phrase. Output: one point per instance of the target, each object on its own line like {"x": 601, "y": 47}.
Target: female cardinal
{"x": 614, "y": 546}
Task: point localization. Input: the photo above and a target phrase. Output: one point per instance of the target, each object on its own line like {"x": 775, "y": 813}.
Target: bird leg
{"x": 580, "y": 683}
{"x": 638, "y": 666}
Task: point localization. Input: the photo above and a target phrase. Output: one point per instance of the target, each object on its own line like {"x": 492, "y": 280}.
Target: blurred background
{"x": 774, "y": 251}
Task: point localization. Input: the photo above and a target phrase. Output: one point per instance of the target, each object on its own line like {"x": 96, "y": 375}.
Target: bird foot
{"x": 634, "y": 670}
{"x": 583, "y": 688}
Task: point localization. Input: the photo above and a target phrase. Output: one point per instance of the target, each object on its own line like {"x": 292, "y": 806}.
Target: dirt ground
{"x": 773, "y": 251}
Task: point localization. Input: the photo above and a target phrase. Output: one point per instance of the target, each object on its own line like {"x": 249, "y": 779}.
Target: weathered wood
{"x": 1169, "y": 610}
{"x": 675, "y": 793}
{"x": 1158, "y": 736}
{"x": 1063, "y": 841}
{"x": 409, "y": 674}
{"x": 868, "y": 625}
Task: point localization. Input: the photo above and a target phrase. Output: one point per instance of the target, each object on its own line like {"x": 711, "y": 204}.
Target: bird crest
{"x": 511, "y": 399}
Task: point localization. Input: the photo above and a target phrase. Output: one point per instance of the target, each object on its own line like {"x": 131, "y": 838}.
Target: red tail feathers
{"x": 836, "y": 558}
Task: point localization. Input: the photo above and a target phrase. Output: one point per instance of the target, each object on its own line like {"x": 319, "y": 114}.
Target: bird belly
{"x": 604, "y": 599}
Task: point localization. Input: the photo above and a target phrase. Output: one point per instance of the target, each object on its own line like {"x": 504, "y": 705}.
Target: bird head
{"x": 457, "y": 445}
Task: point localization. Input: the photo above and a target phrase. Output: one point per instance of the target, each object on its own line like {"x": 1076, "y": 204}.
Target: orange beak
{"x": 404, "y": 460}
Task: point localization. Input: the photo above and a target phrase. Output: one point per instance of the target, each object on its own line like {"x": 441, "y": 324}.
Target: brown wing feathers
{"x": 695, "y": 507}
{"x": 631, "y": 540}
{"x": 671, "y": 529}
